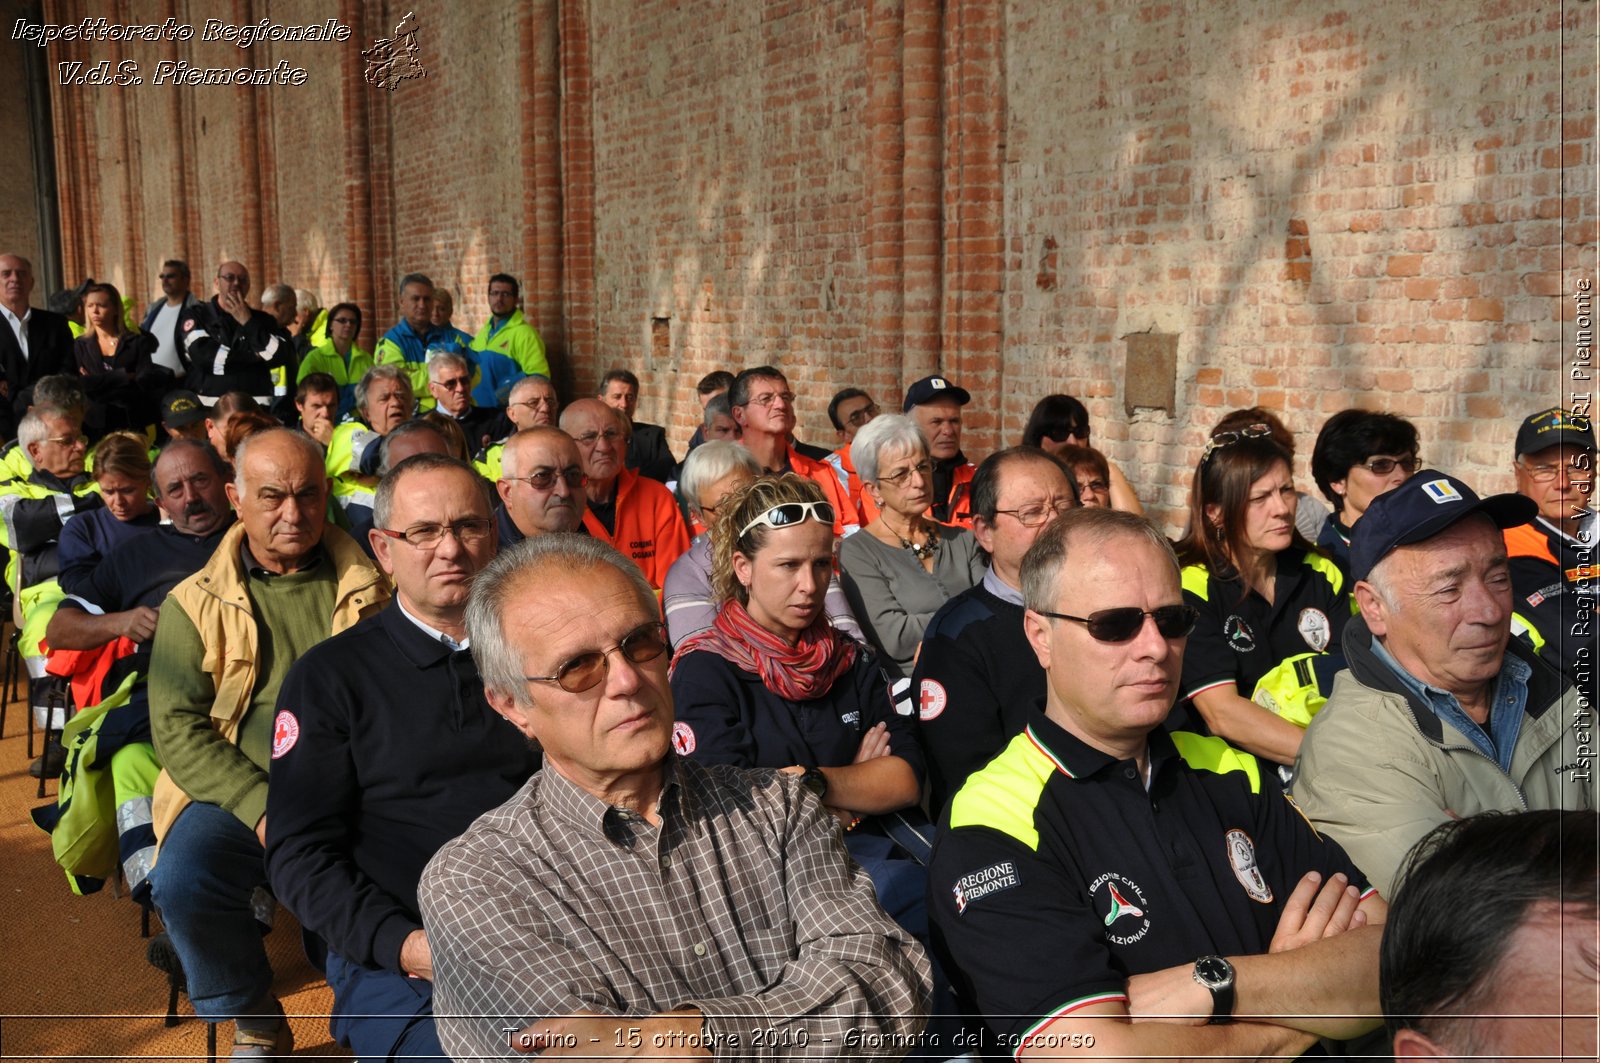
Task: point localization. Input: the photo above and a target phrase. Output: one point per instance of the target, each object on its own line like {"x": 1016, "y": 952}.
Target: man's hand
{"x": 261, "y": 831}
{"x": 1317, "y": 910}
{"x": 1170, "y": 995}
{"x": 874, "y": 744}
{"x": 675, "y": 1035}
{"x": 416, "y": 957}
{"x": 234, "y": 305}
{"x": 137, "y": 624}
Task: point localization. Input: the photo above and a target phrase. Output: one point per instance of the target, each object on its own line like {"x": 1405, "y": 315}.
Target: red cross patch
{"x": 285, "y": 733}
{"x": 683, "y": 738}
{"x": 931, "y": 700}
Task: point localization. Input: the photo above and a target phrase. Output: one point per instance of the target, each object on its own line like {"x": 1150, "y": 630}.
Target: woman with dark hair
{"x": 1359, "y": 455}
{"x": 1261, "y": 659}
{"x": 114, "y": 364}
{"x": 339, "y": 356}
{"x": 1059, "y": 421}
{"x": 772, "y": 684}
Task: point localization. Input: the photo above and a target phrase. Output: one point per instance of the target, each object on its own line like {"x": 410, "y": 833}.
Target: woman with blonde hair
{"x": 120, "y": 466}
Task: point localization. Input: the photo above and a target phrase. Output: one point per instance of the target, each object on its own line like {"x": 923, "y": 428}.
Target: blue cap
{"x": 934, "y": 387}
{"x": 1421, "y": 508}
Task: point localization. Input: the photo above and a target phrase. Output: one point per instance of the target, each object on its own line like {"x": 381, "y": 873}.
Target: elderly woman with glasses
{"x": 772, "y": 684}
{"x": 1272, "y": 608}
{"x": 901, "y": 567}
{"x": 1061, "y": 421}
{"x": 714, "y": 472}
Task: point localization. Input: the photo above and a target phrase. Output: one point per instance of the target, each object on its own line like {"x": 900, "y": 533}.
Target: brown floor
{"x": 75, "y": 984}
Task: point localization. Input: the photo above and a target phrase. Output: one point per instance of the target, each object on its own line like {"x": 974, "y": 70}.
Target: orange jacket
{"x": 845, "y": 519}
{"x": 649, "y": 528}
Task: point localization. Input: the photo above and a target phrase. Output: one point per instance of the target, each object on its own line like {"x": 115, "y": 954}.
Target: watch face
{"x": 1214, "y": 970}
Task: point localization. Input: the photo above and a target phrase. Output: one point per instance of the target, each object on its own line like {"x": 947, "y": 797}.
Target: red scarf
{"x": 802, "y": 672}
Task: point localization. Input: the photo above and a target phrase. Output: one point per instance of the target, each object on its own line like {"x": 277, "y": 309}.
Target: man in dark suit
{"x": 34, "y": 343}
{"x": 648, "y": 452}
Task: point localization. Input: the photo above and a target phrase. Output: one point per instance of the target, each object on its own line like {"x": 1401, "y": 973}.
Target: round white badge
{"x": 285, "y": 733}
{"x": 1315, "y": 629}
{"x": 683, "y": 738}
{"x": 931, "y": 700}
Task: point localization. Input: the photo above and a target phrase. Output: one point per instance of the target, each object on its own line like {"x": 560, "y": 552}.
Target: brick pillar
{"x": 885, "y": 188}
{"x": 543, "y": 253}
{"x": 923, "y": 189}
{"x": 577, "y": 198}
{"x": 177, "y": 114}
{"x": 355, "y": 123}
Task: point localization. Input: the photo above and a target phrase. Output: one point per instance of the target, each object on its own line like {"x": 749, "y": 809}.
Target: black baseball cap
{"x": 934, "y": 387}
{"x": 181, "y": 409}
{"x": 1421, "y": 508}
{"x": 1553, "y": 427}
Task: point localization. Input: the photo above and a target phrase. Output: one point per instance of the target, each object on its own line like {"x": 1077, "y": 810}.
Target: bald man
{"x": 229, "y": 346}
{"x": 34, "y": 343}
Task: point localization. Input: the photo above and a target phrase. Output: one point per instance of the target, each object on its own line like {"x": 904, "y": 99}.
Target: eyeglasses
{"x": 1543, "y": 474}
{"x": 544, "y": 479}
{"x": 1035, "y": 515}
{"x": 469, "y": 532}
{"x": 534, "y": 404}
{"x": 68, "y": 441}
{"x": 1073, "y": 432}
{"x": 588, "y": 439}
{"x": 455, "y": 383}
{"x": 1122, "y": 624}
{"x": 169, "y": 276}
{"x": 791, "y": 513}
{"x": 862, "y": 416}
{"x": 502, "y": 293}
{"x": 234, "y": 278}
{"x": 1384, "y": 466}
{"x": 1094, "y": 485}
{"x": 923, "y": 468}
{"x": 768, "y": 398}
{"x": 343, "y": 321}
{"x": 1227, "y": 439}
{"x": 642, "y": 644}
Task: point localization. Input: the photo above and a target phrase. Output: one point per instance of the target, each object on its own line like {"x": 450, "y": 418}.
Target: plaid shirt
{"x": 742, "y": 904}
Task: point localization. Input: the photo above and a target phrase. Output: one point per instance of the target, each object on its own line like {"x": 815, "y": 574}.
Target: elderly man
{"x": 161, "y": 317}
{"x": 976, "y": 678}
{"x": 1554, "y": 576}
{"x": 743, "y": 927}
{"x": 394, "y": 752}
{"x": 406, "y": 345}
{"x": 230, "y": 347}
{"x": 1440, "y": 713}
{"x": 541, "y": 485}
{"x": 1102, "y": 872}
{"x": 507, "y": 332}
{"x": 450, "y": 384}
{"x": 935, "y": 404}
{"x": 280, "y": 581}
{"x": 648, "y": 452}
{"x": 635, "y": 514}
{"x": 531, "y": 402}
{"x": 120, "y": 600}
{"x": 34, "y": 344}
{"x": 383, "y": 400}
{"x": 1489, "y": 949}
{"x": 763, "y": 406}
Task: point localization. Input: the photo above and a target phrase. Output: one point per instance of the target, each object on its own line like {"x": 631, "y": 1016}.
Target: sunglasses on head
{"x": 792, "y": 513}
{"x": 1122, "y": 624}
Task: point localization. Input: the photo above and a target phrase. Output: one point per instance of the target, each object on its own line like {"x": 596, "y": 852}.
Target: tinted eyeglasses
{"x": 643, "y": 643}
{"x": 468, "y": 532}
{"x": 1072, "y": 431}
{"x": 1384, "y": 466}
{"x": 544, "y": 479}
{"x": 1122, "y": 624}
{"x": 790, "y": 514}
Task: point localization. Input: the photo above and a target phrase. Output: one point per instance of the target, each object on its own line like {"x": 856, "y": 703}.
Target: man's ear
{"x": 1414, "y": 1044}
{"x": 231, "y": 489}
{"x": 516, "y": 715}
{"x": 380, "y": 551}
{"x": 1373, "y": 609}
{"x": 1037, "y": 630}
{"x": 982, "y": 531}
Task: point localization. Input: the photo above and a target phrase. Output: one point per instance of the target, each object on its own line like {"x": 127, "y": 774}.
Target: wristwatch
{"x": 813, "y": 779}
{"x": 1216, "y": 974}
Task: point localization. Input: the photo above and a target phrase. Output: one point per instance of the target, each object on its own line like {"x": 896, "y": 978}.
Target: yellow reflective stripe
{"x": 1004, "y": 794}
{"x": 1213, "y": 754}
{"x": 1196, "y": 578}
{"x": 1329, "y": 570}
{"x": 1521, "y": 625}
{"x": 1290, "y": 690}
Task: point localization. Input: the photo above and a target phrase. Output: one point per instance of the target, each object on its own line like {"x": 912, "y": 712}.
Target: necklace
{"x": 921, "y": 551}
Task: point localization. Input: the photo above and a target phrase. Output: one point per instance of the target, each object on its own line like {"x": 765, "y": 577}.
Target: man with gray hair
{"x": 34, "y": 343}
{"x": 281, "y": 581}
{"x": 1441, "y": 713}
{"x": 541, "y": 485}
{"x": 407, "y": 344}
{"x": 397, "y": 753}
{"x": 654, "y": 904}
{"x": 450, "y": 384}
{"x": 531, "y": 402}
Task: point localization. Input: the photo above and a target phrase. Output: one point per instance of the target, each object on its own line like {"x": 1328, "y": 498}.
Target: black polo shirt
{"x": 1240, "y": 639}
{"x": 1057, "y": 876}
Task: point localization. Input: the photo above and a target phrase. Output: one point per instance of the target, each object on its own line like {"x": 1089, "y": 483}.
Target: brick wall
{"x": 1336, "y": 204}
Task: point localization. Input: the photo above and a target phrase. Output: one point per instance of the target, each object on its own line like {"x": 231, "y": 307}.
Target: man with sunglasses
{"x": 763, "y": 407}
{"x": 230, "y": 347}
{"x": 161, "y": 316}
{"x": 1554, "y": 575}
{"x": 450, "y": 384}
{"x": 390, "y": 750}
{"x": 1102, "y": 870}
{"x": 629, "y": 901}
{"x": 541, "y": 485}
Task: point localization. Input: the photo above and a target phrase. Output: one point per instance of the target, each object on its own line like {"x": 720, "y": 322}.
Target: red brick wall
{"x": 1334, "y": 204}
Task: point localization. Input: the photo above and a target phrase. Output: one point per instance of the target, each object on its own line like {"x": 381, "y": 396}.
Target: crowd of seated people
{"x": 929, "y": 710}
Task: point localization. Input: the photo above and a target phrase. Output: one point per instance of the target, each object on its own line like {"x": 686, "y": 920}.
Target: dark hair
{"x": 506, "y": 278}
{"x": 1223, "y": 479}
{"x": 320, "y": 383}
{"x": 178, "y": 264}
{"x": 718, "y": 380}
{"x": 618, "y": 373}
{"x": 233, "y": 402}
{"x": 1465, "y": 890}
{"x": 1349, "y": 438}
{"x": 1055, "y": 417}
{"x": 1075, "y": 458}
{"x": 333, "y": 312}
{"x": 412, "y": 278}
{"x": 840, "y": 398}
{"x": 739, "y": 391}
{"x": 986, "y": 480}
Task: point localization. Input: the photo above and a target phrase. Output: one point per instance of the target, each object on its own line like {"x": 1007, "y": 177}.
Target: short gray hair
{"x": 412, "y": 278}
{"x": 307, "y": 300}
{"x": 501, "y": 583}
{"x": 400, "y": 431}
{"x": 526, "y": 382}
{"x": 32, "y": 429}
{"x": 1041, "y": 565}
{"x": 383, "y": 498}
{"x": 308, "y": 446}
{"x": 277, "y": 295}
{"x": 717, "y": 406}
{"x": 1380, "y": 579}
{"x": 891, "y": 431}
{"x": 385, "y": 371}
{"x": 708, "y": 463}
{"x": 442, "y": 359}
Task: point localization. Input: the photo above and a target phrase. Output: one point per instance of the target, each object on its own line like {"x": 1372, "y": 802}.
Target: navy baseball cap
{"x": 181, "y": 409}
{"x": 1553, "y": 427}
{"x": 934, "y": 387}
{"x": 1421, "y": 508}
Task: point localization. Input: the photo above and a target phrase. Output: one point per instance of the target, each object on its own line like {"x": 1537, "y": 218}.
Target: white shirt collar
{"x": 432, "y": 632}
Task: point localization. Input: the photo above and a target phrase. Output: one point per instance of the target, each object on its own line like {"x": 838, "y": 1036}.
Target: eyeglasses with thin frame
{"x": 768, "y": 398}
{"x": 1035, "y": 515}
{"x": 1543, "y": 474}
{"x": 469, "y": 532}
{"x": 862, "y": 416}
{"x": 1228, "y": 439}
{"x": 589, "y": 439}
{"x": 788, "y": 514}
{"x": 924, "y": 468}
{"x": 455, "y": 383}
{"x": 1383, "y": 466}
{"x": 343, "y": 321}
{"x": 1097, "y": 486}
{"x": 544, "y": 479}
{"x": 68, "y": 441}
{"x": 639, "y": 646}
{"x": 1123, "y": 623}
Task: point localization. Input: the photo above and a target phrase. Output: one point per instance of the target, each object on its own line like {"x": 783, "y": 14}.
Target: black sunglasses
{"x": 1120, "y": 625}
